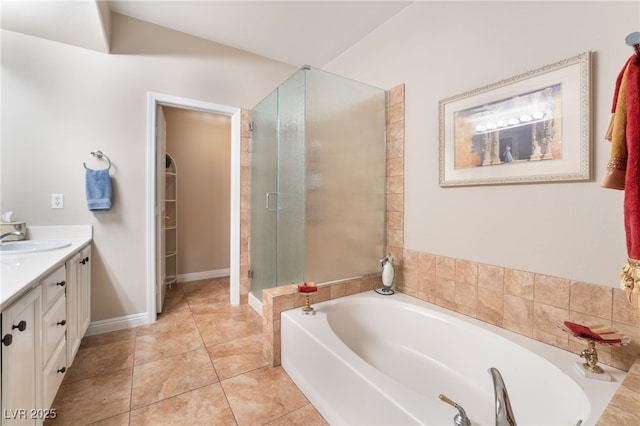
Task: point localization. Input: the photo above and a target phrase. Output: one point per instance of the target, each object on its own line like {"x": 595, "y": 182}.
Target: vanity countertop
{"x": 21, "y": 272}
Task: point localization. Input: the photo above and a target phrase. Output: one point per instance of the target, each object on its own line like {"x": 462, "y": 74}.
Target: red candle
{"x": 307, "y": 288}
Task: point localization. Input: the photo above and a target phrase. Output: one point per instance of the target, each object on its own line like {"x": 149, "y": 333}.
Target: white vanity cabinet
{"x": 41, "y": 334}
{"x": 21, "y": 359}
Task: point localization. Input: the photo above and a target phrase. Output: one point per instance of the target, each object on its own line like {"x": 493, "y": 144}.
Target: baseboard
{"x": 204, "y": 275}
{"x": 255, "y": 303}
{"x": 114, "y": 324}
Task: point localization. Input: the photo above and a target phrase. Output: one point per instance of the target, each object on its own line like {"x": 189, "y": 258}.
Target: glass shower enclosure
{"x": 318, "y": 167}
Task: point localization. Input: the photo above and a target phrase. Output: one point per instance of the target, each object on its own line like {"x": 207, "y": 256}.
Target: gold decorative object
{"x": 590, "y": 368}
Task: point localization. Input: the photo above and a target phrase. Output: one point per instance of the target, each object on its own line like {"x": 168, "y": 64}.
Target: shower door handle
{"x": 268, "y": 204}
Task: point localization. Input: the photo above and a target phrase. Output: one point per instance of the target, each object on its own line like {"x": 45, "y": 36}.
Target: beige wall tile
{"x": 491, "y": 277}
{"x": 490, "y": 306}
{"x": 466, "y": 272}
{"x": 623, "y": 311}
{"x": 395, "y": 184}
{"x": 445, "y": 267}
{"x": 395, "y": 112}
{"x": 519, "y": 283}
{"x": 410, "y": 260}
{"x": 337, "y": 290}
{"x": 545, "y": 325}
{"x": 623, "y": 357}
{"x": 518, "y": 315}
{"x": 426, "y": 263}
{"x": 445, "y": 289}
{"x": 395, "y": 202}
{"x": 591, "y": 299}
{"x": 395, "y": 166}
{"x": 396, "y": 143}
{"x": 551, "y": 291}
{"x": 395, "y": 220}
{"x": 396, "y": 95}
{"x": 466, "y": 295}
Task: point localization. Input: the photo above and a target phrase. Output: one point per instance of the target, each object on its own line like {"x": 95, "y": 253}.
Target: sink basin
{"x": 31, "y": 246}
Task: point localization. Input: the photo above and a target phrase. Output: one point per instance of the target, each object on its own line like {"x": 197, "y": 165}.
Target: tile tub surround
{"x": 527, "y": 303}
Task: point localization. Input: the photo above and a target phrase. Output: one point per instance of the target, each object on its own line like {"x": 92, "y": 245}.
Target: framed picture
{"x": 534, "y": 127}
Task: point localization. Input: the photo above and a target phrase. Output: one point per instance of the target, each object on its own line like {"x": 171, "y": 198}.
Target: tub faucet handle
{"x": 459, "y": 419}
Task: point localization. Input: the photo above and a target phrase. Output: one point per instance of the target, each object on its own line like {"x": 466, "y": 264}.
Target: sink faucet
{"x": 504, "y": 413}
{"x": 8, "y": 234}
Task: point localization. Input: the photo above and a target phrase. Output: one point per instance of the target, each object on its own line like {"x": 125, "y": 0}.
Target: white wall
{"x": 441, "y": 49}
{"x": 60, "y": 102}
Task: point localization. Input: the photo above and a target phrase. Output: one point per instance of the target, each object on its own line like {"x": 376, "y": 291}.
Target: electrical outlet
{"x": 57, "y": 201}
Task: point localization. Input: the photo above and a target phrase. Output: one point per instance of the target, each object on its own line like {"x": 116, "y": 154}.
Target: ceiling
{"x": 294, "y": 32}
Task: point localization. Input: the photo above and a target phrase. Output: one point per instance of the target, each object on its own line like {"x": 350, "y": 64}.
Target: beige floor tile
{"x": 155, "y": 346}
{"x": 305, "y": 416}
{"x": 108, "y": 338}
{"x": 262, "y": 395}
{"x": 227, "y": 329}
{"x": 167, "y": 321}
{"x": 158, "y": 380}
{"x": 89, "y": 400}
{"x": 174, "y": 299}
{"x": 201, "y": 407}
{"x": 95, "y": 360}
{"x": 207, "y": 298}
{"x": 119, "y": 420}
{"x": 238, "y": 356}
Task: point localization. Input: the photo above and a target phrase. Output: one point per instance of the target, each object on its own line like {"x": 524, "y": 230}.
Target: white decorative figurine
{"x": 387, "y": 275}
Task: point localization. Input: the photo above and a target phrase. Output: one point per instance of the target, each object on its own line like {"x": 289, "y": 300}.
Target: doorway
{"x": 155, "y": 157}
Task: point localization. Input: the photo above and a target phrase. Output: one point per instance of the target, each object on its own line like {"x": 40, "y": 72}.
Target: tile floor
{"x": 201, "y": 363}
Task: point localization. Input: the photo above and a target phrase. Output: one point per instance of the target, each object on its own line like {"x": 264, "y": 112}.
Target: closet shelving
{"x": 171, "y": 221}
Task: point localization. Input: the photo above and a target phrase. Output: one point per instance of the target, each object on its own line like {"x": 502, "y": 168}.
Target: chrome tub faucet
{"x": 504, "y": 413}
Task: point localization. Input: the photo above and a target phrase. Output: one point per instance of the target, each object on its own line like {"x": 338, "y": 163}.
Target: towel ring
{"x": 99, "y": 155}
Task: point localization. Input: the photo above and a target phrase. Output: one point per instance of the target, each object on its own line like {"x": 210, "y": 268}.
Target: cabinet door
{"x": 78, "y": 300}
{"x": 84, "y": 292}
{"x": 73, "y": 342}
{"x": 21, "y": 361}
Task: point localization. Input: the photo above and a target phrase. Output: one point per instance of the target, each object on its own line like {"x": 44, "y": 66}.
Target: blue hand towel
{"x": 98, "y": 185}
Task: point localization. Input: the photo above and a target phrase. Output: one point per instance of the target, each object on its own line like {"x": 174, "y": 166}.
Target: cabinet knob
{"x": 22, "y": 326}
{"x": 85, "y": 260}
{"x": 7, "y": 339}
{"x": 61, "y": 283}
{"x": 63, "y": 322}
{"x": 62, "y": 370}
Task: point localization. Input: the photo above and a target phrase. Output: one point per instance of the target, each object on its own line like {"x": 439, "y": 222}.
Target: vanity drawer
{"x": 54, "y": 325}
{"x": 53, "y": 373}
{"x": 53, "y": 285}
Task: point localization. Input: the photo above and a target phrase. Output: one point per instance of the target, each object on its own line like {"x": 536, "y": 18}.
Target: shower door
{"x": 264, "y": 152}
{"x": 277, "y": 187}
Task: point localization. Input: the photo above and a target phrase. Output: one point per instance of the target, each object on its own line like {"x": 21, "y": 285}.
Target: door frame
{"x": 153, "y": 208}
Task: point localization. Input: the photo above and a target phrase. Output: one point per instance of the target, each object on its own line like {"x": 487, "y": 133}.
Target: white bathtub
{"x": 369, "y": 359}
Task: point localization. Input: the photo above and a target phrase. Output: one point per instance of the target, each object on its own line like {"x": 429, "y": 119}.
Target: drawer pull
{"x": 7, "y": 339}
{"x": 63, "y": 322}
{"x": 61, "y": 283}
{"x": 62, "y": 370}
{"x": 85, "y": 260}
{"x": 22, "y": 326}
